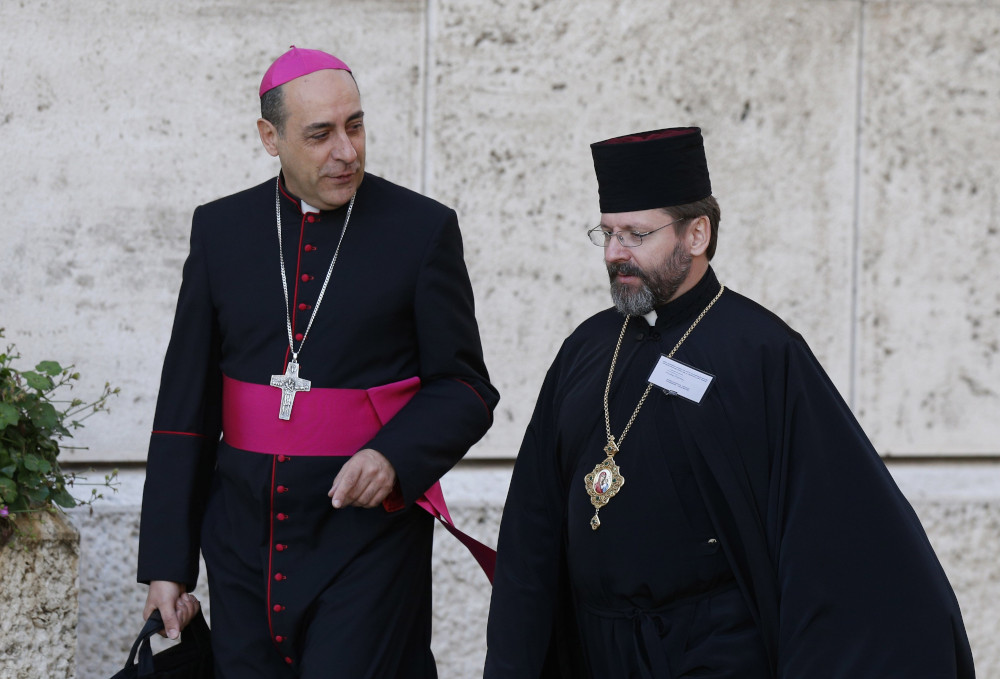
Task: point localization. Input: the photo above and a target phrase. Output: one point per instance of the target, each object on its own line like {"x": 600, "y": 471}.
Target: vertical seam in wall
{"x": 856, "y": 226}
{"x": 425, "y": 162}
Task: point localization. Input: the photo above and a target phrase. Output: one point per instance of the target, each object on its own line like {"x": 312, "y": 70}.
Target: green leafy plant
{"x": 33, "y": 425}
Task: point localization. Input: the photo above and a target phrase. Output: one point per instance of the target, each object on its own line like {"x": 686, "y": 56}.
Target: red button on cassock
{"x": 306, "y": 277}
{"x": 281, "y": 517}
{"x": 303, "y": 306}
{"x": 288, "y": 660}
{"x": 281, "y": 548}
{"x": 279, "y": 638}
{"x": 279, "y": 577}
{"x": 309, "y": 248}
{"x": 282, "y": 458}
{"x": 278, "y": 608}
{"x": 299, "y": 336}
{"x": 282, "y": 489}
{"x": 311, "y": 218}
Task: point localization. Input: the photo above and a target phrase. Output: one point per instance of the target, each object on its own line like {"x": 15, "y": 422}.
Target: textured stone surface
{"x": 461, "y": 590}
{"x": 520, "y": 88}
{"x": 965, "y": 535}
{"x": 38, "y": 599}
{"x": 929, "y": 314}
{"x": 116, "y": 120}
{"x": 111, "y": 601}
{"x": 852, "y": 146}
{"x": 959, "y": 506}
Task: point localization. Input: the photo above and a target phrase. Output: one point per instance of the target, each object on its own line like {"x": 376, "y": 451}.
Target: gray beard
{"x": 655, "y": 287}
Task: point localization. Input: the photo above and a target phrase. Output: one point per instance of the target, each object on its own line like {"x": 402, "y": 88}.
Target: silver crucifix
{"x": 289, "y": 383}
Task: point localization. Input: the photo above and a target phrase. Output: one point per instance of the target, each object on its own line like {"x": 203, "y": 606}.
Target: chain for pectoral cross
{"x": 601, "y": 494}
{"x": 290, "y": 383}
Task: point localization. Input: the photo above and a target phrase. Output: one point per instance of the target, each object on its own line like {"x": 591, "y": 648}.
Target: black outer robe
{"x": 833, "y": 563}
{"x": 399, "y": 304}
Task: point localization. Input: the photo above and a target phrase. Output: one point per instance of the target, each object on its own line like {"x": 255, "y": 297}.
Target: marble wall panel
{"x": 958, "y": 507}
{"x": 929, "y": 313}
{"x": 957, "y": 504}
{"x": 520, "y": 88}
{"x": 960, "y": 5}
{"x": 116, "y": 120}
{"x": 111, "y": 601}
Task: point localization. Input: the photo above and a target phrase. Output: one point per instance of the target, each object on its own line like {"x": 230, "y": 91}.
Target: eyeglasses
{"x": 600, "y": 236}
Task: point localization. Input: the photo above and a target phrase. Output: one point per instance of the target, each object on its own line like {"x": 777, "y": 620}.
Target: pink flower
{"x": 4, "y": 511}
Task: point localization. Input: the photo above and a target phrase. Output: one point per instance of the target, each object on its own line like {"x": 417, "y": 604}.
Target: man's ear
{"x": 268, "y": 136}
{"x": 699, "y": 234}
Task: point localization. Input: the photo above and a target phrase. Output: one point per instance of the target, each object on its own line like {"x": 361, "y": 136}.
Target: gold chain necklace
{"x": 606, "y": 480}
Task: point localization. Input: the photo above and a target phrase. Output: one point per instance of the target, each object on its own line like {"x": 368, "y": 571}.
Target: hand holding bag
{"x": 190, "y": 659}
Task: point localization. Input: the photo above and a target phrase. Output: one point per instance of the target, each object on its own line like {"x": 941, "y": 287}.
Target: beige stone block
{"x": 38, "y": 597}
{"x": 520, "y": 90}
{"x": 929, "y": 296}
{"x": 959, "y": 507}
{"x": 475, "y": 494}
{"x": 960, "y": 5}
{"x": 956, "y": 503}
{"x": 116, "y": 120}
{"x": 966, "y": 535}
{"x": 111, "y": 601}
{"x": 462, "y": 593}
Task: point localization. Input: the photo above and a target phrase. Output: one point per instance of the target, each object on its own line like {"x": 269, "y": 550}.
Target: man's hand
{"x": 365, "y": 481}
{"x": 176, "y": 606}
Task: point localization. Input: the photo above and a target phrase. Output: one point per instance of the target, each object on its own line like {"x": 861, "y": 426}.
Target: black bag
{"x": 190, "y": 659}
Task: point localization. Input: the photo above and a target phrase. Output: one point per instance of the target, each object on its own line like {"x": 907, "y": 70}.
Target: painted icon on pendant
{"x": 603, "y": 482}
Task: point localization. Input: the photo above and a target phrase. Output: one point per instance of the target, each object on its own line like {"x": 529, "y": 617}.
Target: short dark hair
{"x": 272, "y": 108}
{"x": 706, "y": 207}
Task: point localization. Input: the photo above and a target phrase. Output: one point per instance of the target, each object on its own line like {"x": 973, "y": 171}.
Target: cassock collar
{"x": 689, "y": 304}
{"x": 301, "y": 206}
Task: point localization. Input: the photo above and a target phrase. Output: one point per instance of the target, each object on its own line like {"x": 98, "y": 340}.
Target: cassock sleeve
{"x": 454, "y": 406}
{"x": 862, "y": 593}
{"x": 528, "y": 582}
{"x": 186, "y": 431}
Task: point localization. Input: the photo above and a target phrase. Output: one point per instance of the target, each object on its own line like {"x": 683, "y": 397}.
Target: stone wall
{"x": 852, "y": 145}
{"x": 38, "y": 599}
{"x": 959, "y": 506}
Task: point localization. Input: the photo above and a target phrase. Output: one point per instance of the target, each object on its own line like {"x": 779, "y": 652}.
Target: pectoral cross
{"x": 289, "y": 383}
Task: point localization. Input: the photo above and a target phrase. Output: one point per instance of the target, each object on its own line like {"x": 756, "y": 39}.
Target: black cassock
{"x": 298, "y": 588}
{"x": 757, "y": 534}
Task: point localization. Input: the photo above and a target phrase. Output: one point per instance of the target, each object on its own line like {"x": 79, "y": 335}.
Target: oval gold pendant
{"x": 603, "y": 484}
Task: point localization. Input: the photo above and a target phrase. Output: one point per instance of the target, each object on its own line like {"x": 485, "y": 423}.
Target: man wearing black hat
{"x": 750, "y": 529}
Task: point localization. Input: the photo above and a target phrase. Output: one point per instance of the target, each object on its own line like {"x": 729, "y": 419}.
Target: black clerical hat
{"x": 648, "y": 170}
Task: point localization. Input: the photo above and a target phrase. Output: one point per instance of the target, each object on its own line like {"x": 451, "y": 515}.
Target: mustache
{"x": 625, "y": 269}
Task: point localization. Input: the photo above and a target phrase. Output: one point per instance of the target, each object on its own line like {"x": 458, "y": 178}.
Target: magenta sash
{"x": 330, "y": 422}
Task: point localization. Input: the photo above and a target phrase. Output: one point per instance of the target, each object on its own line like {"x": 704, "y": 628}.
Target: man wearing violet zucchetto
{"x": 323, "y": 372}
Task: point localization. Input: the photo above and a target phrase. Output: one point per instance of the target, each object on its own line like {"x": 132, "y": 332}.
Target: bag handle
{"x": 141, "y": 646}
{"x": 196, "y": 633}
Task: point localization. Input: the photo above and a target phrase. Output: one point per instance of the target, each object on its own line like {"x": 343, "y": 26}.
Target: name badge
{"x": 677, "y": 378}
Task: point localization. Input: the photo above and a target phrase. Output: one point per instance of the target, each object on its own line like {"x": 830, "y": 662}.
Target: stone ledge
{"x": 38, "y": 596}
{"x": 959, "y": 505}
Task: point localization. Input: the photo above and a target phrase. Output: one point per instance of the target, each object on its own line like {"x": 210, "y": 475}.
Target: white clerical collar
{"x": 307, "y": 208}
{"x": 650, "y": 317}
